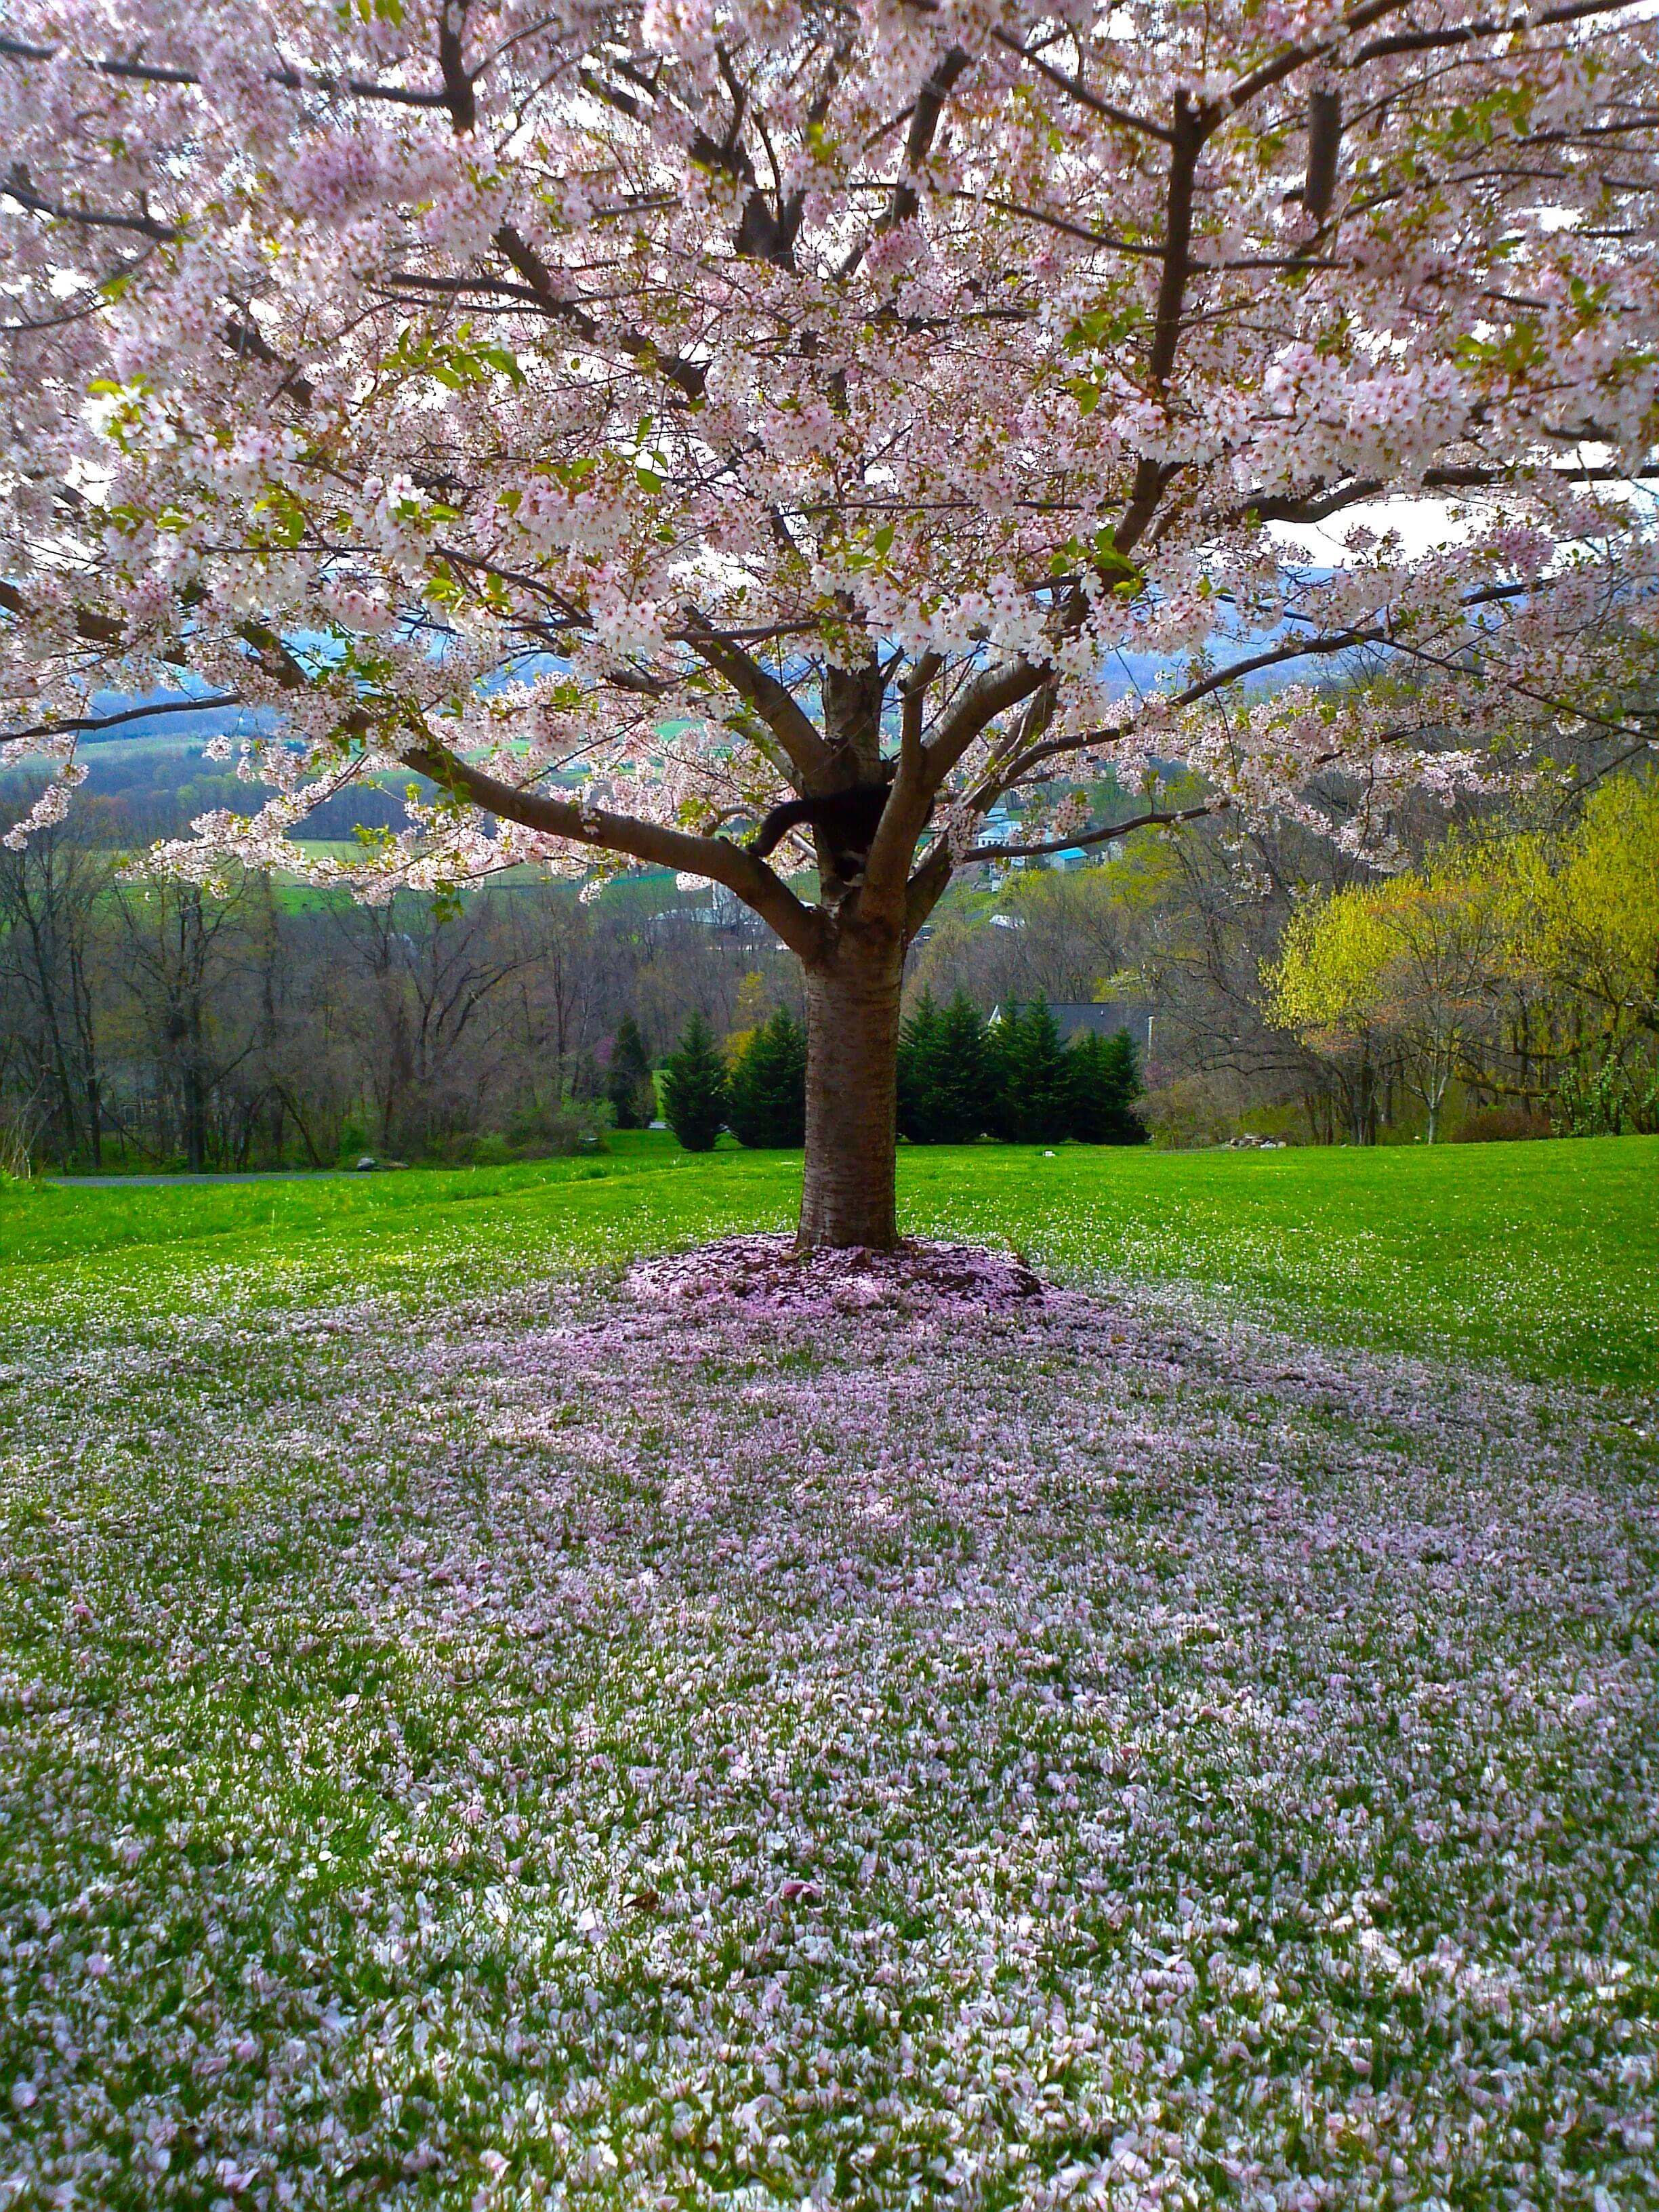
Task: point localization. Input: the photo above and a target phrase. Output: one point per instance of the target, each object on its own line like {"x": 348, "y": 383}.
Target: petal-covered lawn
{"x": 605, "y": 1745}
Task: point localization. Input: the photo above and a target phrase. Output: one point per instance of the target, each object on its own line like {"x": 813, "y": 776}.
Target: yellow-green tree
{"x": 1584, "y": 918}
{"x": 1405, "y": 971}
{"x": 1584, "y": 944}
{"x": 1414, "y": 972}
{"x": 1445, "y": 924}
{"x": 1327, "y": 986}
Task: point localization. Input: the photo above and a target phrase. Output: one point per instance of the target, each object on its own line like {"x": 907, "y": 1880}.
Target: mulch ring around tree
{"x": 768, "y": 1273}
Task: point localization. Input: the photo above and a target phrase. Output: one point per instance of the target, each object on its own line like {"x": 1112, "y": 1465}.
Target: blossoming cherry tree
{"x": 629, "y": 418}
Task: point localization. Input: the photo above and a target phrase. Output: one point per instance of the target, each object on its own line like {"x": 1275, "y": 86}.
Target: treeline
{"x": 1504, "y": 985}
{"x": 1507, "y": 984}
{"x": 141, "y": 789}
{"x": 152, "y": 1024}
{"x": 961, "y": 1077}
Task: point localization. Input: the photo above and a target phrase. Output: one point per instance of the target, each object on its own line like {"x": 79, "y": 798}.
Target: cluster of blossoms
{"x": 862, "y": 1749}
{"x": 373, "y": 363}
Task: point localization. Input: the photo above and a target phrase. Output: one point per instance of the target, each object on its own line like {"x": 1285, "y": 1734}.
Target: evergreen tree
{"x": 693, "y": 1088}
{"x": 962, "y": 1087}
{"x": 1104, "y": 1081}
{"x": 918, "y": 1072}
{"x": 1125, "y": 1064}
{"x": 628, "y": 1082}
{"x": 586, "y": 1078}
{"x": 1035, "y": 1080}
{"x": 765, "y": 1091}
{"x": 1004, "y": 1044}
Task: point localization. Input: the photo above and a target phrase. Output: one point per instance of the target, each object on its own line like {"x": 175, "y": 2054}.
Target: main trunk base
{"x": 849, "y": 1197}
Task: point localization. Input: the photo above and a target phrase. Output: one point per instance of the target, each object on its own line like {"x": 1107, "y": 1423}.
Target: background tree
{"x": 694, "y": 1093}
{"x": 1330, "y": 985}
{"x": 50, "y": 894}
{"x": 1103, "y": 1082}
{"x": 1586, "y": 917}
{"x": 1581, "y": 914}
{"x": 918, "y": 1072}
{"x": 963, "y": 1078}
{"x": 1446, "y": 939}
{"x": 766, "y": 1089}
{"x": 1033, "y": 1090}
{"x": 626, "y": 419}
{"x": 627, "y": 1083}
{"x": 182, "y": 954}
{"x": 1058, "y": 935}
{"x": 946, "y": 1081}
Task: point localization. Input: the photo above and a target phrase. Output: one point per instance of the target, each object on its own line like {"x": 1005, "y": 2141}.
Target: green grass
{"x": 1545, "y": 1257}
{"x": 445, "y": 1746}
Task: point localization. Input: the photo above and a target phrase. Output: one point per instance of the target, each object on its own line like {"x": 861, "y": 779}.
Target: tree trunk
{"x": 195, "y": 1121}
{"x": 852, "y": 1071}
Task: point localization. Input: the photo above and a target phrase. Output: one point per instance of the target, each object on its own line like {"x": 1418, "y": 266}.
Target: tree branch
{"x": 902, "y": 204}
{"x": 85, "y": 725}
{"x": 17, "y": 187}
{"x": 690, "y": 376}
{"x": 752, "y": 881}
{"x": 1316, "y": 506}
{"x": 758, "y": 687}
{"x": 1467, "y": 35}
{"x": 976, "y": 707}
{"x": 1152, "y": 820}
{"x": 244, "y": 337}
{"x": 926, "y": 887}
{"x": 886, "y": 895}
{"x": 291, "y": 80}
{"x": 1080, "y": 92}
{"x": 1191, "y": 128}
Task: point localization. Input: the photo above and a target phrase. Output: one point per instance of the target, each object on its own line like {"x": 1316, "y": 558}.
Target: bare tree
{"x": 50, "y": 894}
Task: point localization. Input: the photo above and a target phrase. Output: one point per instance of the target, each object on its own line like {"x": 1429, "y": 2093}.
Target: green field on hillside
{"x": 1543, "y": 1256}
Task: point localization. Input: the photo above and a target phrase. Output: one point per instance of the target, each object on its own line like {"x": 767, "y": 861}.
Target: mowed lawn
{"x": 481, "y": 1730}
{"x": 1545, "y": 1257}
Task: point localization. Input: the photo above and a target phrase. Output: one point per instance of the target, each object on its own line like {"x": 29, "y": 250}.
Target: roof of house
{"x": 1104, "y": 1018}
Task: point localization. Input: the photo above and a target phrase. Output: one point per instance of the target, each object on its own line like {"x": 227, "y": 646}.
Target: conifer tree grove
{"x": 918, "y": 1072}
{"x": 962, "y": 1091}
{"x": 625, "y": 418}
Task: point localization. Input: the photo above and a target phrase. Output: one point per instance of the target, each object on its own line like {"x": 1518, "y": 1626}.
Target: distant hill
{"x": 148, "y": 778}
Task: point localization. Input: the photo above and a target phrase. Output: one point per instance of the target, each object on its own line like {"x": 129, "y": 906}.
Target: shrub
{"x": 573, "y": 1125}
{"x": 1188, "y": 1114}
{"x": 627, "y": 1083}
{"x": 693, "y": 1088}
{"x": 1105, "y": 1082}
{"x": 1496, "y": 1125}
{"x": 765, "y": 1091}
{"x": 1608, "y": 1098}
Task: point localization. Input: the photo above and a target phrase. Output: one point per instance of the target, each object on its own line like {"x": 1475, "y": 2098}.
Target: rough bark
{"x": 852, "y": 1063}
